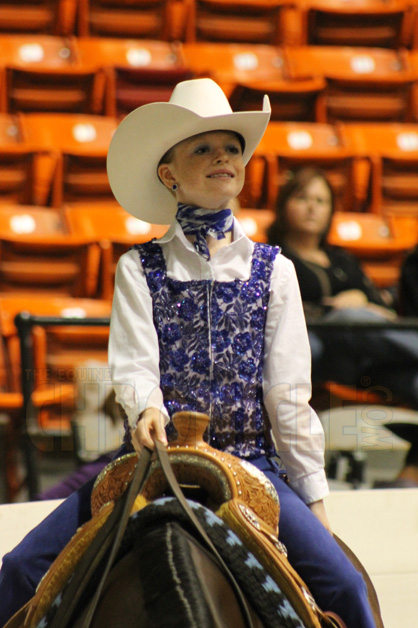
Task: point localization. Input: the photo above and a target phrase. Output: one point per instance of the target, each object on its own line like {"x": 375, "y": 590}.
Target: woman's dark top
{"x": 343, "y": 273}
{"x": 409, "y": 285}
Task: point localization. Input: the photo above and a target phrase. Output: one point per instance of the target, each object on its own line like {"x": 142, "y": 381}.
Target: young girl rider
{"x": 204, "y": 319}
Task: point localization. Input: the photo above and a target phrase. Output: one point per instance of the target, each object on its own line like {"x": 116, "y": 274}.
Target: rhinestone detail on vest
{"x": 211, "y": 341}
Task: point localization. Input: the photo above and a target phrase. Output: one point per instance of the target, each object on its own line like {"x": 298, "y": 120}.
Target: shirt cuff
{"x": 311, "y": 488}
{"x": 134, "y": 405}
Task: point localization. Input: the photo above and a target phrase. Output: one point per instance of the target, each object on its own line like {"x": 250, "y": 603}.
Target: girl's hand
{"x": 318, "y": 509}
{"x": 347, "y": 299}
{"x": 151, "y": 423}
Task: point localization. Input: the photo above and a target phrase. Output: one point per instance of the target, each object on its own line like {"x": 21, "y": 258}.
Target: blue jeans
{"x": 332, "y": 579}
{"x": 25, "y": 565}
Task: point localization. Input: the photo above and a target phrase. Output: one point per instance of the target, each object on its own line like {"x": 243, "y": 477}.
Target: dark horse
{"x": 155, "y": 555}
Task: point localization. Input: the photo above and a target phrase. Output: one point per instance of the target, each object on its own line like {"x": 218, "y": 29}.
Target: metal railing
{"x": 25, "y": 322}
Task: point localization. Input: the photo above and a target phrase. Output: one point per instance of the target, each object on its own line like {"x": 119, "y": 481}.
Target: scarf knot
{"x": 203, "y": 222}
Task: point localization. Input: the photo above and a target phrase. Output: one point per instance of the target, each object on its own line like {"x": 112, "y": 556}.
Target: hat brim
{"x": 146, "y": 134}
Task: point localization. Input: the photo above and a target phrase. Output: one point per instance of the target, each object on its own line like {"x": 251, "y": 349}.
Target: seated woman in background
{"x": 329, "y": 277}
{"x": 334, "y": 287}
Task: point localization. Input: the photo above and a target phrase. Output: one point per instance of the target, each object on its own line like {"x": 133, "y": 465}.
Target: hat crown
{"x": 201, "y": 96}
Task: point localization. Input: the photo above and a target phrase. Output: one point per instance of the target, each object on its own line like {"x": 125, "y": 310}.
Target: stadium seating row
{"x": 371, "y": 166}
{"x": 113, "y": 76}
{"x": 51, "y": 159}
{"x": 391, "y": 23}
{"x": 74, "y": 250}
{"x": 35, "y": 150}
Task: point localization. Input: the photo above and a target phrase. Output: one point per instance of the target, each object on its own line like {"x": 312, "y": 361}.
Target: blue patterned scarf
{"x": 203, "y": 222}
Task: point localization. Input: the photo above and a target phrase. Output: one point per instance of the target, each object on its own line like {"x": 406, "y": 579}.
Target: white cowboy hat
{"x": 147, "y": 133}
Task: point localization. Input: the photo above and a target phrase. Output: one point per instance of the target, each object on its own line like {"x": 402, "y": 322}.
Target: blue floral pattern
{"x": 211, "y": 341}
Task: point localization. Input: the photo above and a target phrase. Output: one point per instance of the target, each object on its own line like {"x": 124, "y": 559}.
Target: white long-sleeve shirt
{"x": 134, "y": 350}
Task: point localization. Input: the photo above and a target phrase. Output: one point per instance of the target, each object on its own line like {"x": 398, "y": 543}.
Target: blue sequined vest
{"x": 211, "y": 341}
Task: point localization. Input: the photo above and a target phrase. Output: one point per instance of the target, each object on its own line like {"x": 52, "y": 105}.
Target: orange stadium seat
{"x": 356, "y": 23}
{"x": 290, "y": 99}
{"x": 81, "y": 178}
{"x": 138, "y": 19}
{"x": 393, "y": 149}
{"x": 413, "y": 39}
{"x": 72, "y": 90}
{"x": 102, "y": 52}
{"x": 236, "y": 21}
{"x": 115, "y": 231}
{"x": 27, "y": 50}
{"x": 61, "y": 266}
{"x": 30, "y": 186}
{"x": 230, "y": 64}
{"x": 48, "y": 264}
{"x": 36, "y": 48}
{"x": 60, "y": 306}
{"x": 137, "y": 71}
{"x": 255, "y": 222}
{"x": 395, "y": 188}
{"x": 128, "y": 88}
{"x": 17, "y": 175}
{"x": 54, "y": 17}
{"x": 379, "y": 242}
{"x": 109, "y": 222}
{"x": 53, "y": 133}
{"x": 413, "y": 63}
{"x": 393, "y": 152}
{"x": 44, "y": 73}
{"x": 31, "y": 220}
{"x": 66, "y": 131}
{"x": 368, "y": 234}
{"x": 362, "y": 83}
{"x": 286, "y": 146}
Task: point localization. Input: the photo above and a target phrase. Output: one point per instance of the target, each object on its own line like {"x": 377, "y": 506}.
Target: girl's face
{"x": 309, "y": 210}
{"x": 208, "y": 169}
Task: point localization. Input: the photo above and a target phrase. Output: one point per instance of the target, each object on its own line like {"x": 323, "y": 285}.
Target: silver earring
{"x": 175, "y": 187}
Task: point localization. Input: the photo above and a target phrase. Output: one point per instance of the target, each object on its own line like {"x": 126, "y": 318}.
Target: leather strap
{"x": 138, "y": 479}
{"x": 108, "y": 539}
{"x": 114, "y": 529}
{"x": 135, "y": 487}
{"x": 172, "y": 481}
{"x": 18, "y": 619}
